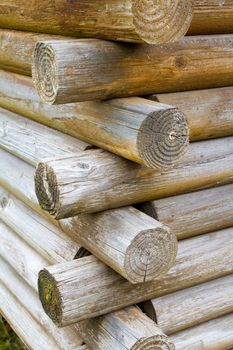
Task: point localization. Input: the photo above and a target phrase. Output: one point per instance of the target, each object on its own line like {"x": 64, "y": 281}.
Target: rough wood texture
{"x": 208, "y": 112}
{"x": 129, "y": 20}
{"x": 191, "y": 306}
{"x": 65, "y": 339}
{"x": 51, "y": 242}
{"x": 212, "y": 16}
{"x": 213, "y": 335}
{"x": 86, "y": 288}
{"x": 116, "y": 70}
{"x": 132, "y": 243}
{"x": 93, "y": 181}
{"x": 146, "y": 132}
{"x": 194, "y": 213}
{"x": 17, "y": 49}
{"x": 137, "y": 333}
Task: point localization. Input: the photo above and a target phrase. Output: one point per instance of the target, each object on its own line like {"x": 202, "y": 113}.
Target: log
{"x": 146, "y": 132}
{"x": 135, "y": 245}
{"x": 208, "y": 112}
{"x": 131, "y": 20}
{"x": 92, "y": 181}
{"x": 191, "y": 306}
{"x": 216, "y": 334}
{"x": 116, "y": 70}
{"x": 100, "y": 333}
{"x": 65, "y": 338}
{"x": 17, "y": 49}
{"x": 218, "y": 13}
{"x": 85, "y": 288}
{"x": 191, "y": 214}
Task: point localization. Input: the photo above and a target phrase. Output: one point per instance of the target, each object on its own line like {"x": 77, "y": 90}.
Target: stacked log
{"x": 115, "y": 232}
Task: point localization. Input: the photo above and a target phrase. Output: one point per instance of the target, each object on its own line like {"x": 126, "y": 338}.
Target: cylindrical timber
{"x": 98, "y": 181}
{"x": 129, "y": 20}
{"x": 83, "y": 289}
{"x": 194, "y": 213}
{"x": 80, "y": 70}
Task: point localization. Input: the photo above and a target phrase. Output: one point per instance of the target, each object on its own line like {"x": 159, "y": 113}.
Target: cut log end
{"x": 45, "y": 72}
{"x": 163, "y": 138}
{"x": 150, "y": 255}
{"x": 50, "y": 297}
{"x": 158, "y": 342}
{"x": 159, "y": 22}
{"x": 46, "y": 188}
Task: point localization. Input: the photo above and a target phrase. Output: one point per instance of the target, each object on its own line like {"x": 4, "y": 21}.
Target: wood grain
{"x": 145, "y": 132}
{"x": 191, "y": 306}
{"x": 93, "y": 181}
{"x": 129, "y": 20}
{"x": 62, "y": 286}
{"x": 80, "y": 70}
{"x": 194, "y": 213}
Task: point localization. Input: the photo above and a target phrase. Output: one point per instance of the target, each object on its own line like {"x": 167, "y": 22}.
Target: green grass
{"x": 8, "y": 339}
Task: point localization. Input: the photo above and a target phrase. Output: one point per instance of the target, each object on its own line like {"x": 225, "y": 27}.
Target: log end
{"x": 157, "y": 342}
{"x": 50, "y": 297}
{"x": 159, "y": 22}
{"x": 45, "y": 72}
{"x": 151, "y": 254}
{"x": 163, "y": 138}
{"x": 46, "y": 189}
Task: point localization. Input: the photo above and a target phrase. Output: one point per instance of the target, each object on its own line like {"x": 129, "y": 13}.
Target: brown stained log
{"x": 212, "y": 17}
{"x": 85, "y": 288}
{"x": 129, "y": 20}
{"x": 93, "y": 181}
{"x": 135, "y": 245}
{"x": 17, "y": 49}
{"x": 216, "y": 334}
{"x": 208, "y": 112}
{"x": 191, "y": 306}
{"x": 146, "y": 132}
{"x": 80, "y": 70}
{"x": 191, "y": 214}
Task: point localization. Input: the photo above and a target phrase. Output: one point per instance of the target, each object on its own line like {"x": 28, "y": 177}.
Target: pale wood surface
{"x": 144, "y": 131}
{"x": 86, "y": 288}
{"x": 191, "y": 306}
{"x": 116, "y": 70}
{"x": 128, "y": 20}
{"x": 208, "y": 112}
{"x": 213, "y": 335}
{"x": 194, "y": 213}
{"x": 66, "y": 338}
{"x": 93, "y": 181}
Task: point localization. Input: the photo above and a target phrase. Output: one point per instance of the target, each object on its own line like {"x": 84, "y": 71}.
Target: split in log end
{"x": 151, "y": 254}
{"x": 50, "y": 297}
{"x": 163, "y": 138}
{"x": 159, "y": 22}
{"x": 158, "y": 342}
{"x": 45, "y": 72}
{"x": 46, "y": 189}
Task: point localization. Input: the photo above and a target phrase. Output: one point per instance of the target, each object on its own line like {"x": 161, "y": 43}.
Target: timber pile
{"x": 115, "y": 231}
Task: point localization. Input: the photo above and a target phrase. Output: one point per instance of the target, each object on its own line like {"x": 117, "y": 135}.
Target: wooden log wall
{"x": 65, "y": 302}
{"x": 194, "y": 63}
{"x": 128, "y": 20}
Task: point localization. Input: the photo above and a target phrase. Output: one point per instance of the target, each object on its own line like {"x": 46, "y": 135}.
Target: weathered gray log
{"x": 116, "y": 70}
{"x": 191, "y": 306}
{"x": 136, "y": 246}
{"x": 128, "y": 20}
{"x": 93, "y": 181}
{"x": 146, "y": 132}
{"x": 85, "y": 288}
{"x": 208, "y": 112}
{"x": 194, "y": 213}
{"x": 216, "y": 334}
